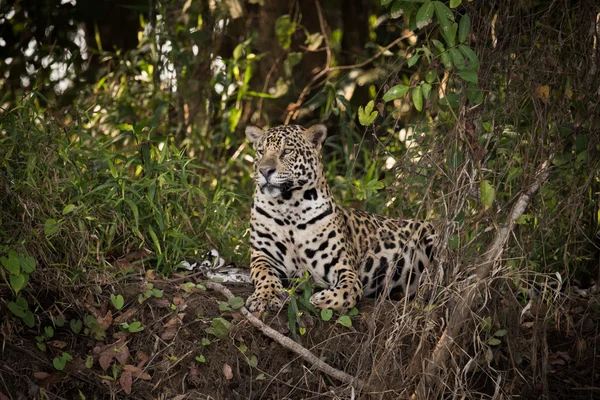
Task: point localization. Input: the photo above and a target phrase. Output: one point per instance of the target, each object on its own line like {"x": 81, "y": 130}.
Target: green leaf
{"x": 252, "y": 361}
{"x": 399, "y": 8}
{"x": 345, "y": 320}
{"x": 59, "y": 363}
{"x": 487, "y": 193}
{"x": 395, "y": 92}
{"x": 51, "y": 227}
{"x": 446, "y": 60}
{"x": 468, "y": 75}
{"x": 425, "y": 14}
{"x": 494, "y": 342}
{"x": 413, "y": 60}
{"x": 463, "y": 28}
{"x": 11, "y": 263}
{"x": 135, "y": 327}
{"x": 89, "y": 362}
{"x": 326, "y": 314}
{"x": 439, "y": 45}
{"x": 49, "y": 331}
{"x": 417, "y": 98}
{"x": 426, "y": 89}
{"x": 386, "y": 2}
{"x": 219, "y": 328}
{"x": 430, "y": 76}
{"x": 474, "y": 94}
{"x": 445, "y": 18}
{"x": 27, "y": 264}
{"x": 471, "y": 56}
{"x": 353, "y": 312}
{"x": 284, "y": 28}
{"x": 68, "y": 209}
{"x": 236, "y": 303}
{"x": 224, "y": 306}
{"x": 366, "y": 115}
{"x": 205, "y": 342}
{"x": 201, "y": 359}
{"x": 453, "y": 158}
{"x": 457, "y": 58}
{"x": 154, "y": 239}
{"x": 455, "y": 3}
{"x": 19, "y": 307}
{"x": 18, "y": 282}
{"x": 76, "y": 325}
{"x": 29, "y": 319}
{"x": 117, "y": 301}
{"x": 500, "y": 332}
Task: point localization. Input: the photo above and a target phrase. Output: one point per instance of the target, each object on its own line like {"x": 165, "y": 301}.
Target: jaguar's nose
{"x": 267, "y": 172}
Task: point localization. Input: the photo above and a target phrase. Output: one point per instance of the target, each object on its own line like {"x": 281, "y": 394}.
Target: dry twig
{"x": 289, "y": 343}
{"x": 470, "y": 294}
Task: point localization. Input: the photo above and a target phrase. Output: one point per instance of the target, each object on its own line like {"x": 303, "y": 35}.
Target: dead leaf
{"x": 543, "y": 92}
{"x": 178, "y": 301}
{"x": 40, "y": 375}
{"x": 122, "y": 354}
{"x": 175, "y": 321}
{"x": 141, "y": 358}
{"x": 3, "y": 396}
{"x": 194, "y": 376}
{"x": 125, "y": 381}
{"x": 150, "y": 275}
{"x": 59, "y": 344}
{"x": 105, "y": 359}
{"x": 126, "y": 315}
{"x": 137, "y": 372}
{"x": 169, "y": 333}
{"x": 105, "y": 321}
{"x": 227, "y": 372}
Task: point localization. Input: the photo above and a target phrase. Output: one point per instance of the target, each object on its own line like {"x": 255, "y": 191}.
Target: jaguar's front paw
{"x": 334, "y": 299}
{"x": 265, "y": 301}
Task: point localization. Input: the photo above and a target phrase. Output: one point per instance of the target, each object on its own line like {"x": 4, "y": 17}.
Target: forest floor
{"x": 191, "y": 343}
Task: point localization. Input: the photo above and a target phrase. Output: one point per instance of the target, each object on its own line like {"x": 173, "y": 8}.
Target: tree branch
{"x": 289, "y": 343}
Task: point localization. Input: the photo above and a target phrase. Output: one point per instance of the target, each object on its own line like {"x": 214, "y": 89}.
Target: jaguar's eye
{"x": 287, "y": 152}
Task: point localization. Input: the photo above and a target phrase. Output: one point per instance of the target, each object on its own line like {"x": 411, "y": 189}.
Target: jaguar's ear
{"x": 254, "y": 134}
{"x": 316, "y": 134}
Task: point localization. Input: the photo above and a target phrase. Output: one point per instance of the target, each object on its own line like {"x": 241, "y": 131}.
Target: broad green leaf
{"x": 135, "y": 327}
{"x": 89, "y": 362}
{"x": 430, "y": 76}
{"x": 353, "y": 312}
{"x": 326, "y": 314}
{"x": 201, "y": 359}
{"x": 463, "y": 28}
{"x": 455, "y": 3}
{"x": 345, "y": 320}
{"x": 284, "y": 28}
{"x": 494, "y": 342}
{"x": 29, "y": 319}
{"x": 395, "y": 92}
{"x": 68, "y": 209}
{"x": 413, "y": 60}
{"x": 219, "y": 328}
{"x": 425, "y": 14}
{"x": 500, "y": 332}
{"x": 117, "y": 301}
{"x": 439, "y": 45}
{"x": 11, "y": 263}
{"x": 474, "y": 94}
{"x": 27, "y": 263}
{"x": 236, "y": 302}
{"x": 49, "y": 332}
{"x": 426, "y": 89}
{"x": 386, "y": 2}
{"x": 417, "y": 98}
{"x": 445, "y": 18}
{"x": 468, "y": 75}
{"x": 19, "y": 307}
{"x": 399, "y": 8}
{"x": 76, "y": 325}
{"x": 457, "y": 58}
{"x": 18, "y": 282}
{"x": 446, "y": 60}
{"x": 252, "y": 361}
{"x": 471, "y": 56}
{"x": 59, "y": 363}
{"x": 487, "y": 193}
{"x": 51, "y": 227}
{"x": 366, "y": 116}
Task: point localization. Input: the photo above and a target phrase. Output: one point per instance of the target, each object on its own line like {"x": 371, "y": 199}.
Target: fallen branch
{"x": 468, "y": 296}
{"x": 289, "y": 343}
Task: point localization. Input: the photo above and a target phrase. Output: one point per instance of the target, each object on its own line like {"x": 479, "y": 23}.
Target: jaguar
{"x": 297, "y": 226}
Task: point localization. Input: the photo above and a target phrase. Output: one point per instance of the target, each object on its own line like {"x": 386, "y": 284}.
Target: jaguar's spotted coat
{"x": 297, "y": 226}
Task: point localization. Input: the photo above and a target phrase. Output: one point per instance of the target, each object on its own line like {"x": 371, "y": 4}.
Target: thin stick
{"x": 289, "y": 343}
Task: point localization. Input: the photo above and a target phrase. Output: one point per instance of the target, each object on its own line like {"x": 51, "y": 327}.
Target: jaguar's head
{"x": 287, "y": 157}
